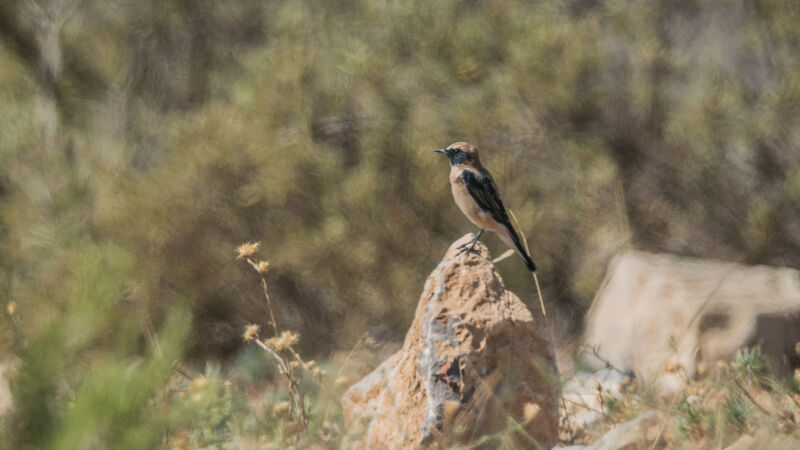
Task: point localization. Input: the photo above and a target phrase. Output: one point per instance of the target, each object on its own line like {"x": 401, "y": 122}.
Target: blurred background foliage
{"x": 141, "y": 142}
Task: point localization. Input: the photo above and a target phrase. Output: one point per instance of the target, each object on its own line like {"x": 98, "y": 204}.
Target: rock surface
{"x": 635, "y": 434}
{"x": 586, "y": 395}
{"x": 472, "y": 357}
{"x": 686, "y": 311}
{"x": 638, "y": 433}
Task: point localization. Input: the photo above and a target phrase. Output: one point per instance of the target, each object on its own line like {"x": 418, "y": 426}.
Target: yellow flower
{"x": 11, "y": 308}
{"x": 262, "y": 267}
{"x": 251, "y": 332}
{"x": 247, "y": 249}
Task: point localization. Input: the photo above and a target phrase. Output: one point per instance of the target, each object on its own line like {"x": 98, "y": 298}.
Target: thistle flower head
{"x": 247, "y": 249}
{"x": 262, "y": 267}
{"x": 251, "y": 332}
{"x": 285, "y": 340}
{"x": 11, "y": 308}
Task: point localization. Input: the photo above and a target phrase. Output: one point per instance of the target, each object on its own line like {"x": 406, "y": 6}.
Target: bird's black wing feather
{"x": 483, "y": 190}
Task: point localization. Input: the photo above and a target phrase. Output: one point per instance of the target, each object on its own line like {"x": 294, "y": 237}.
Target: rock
{"x": 631, "y": 435}
{"x": 685, "y": 312}
{"x": 746, "y": 442}
{"x": 582, "y": 395}
{"x": 8, "y": 368}
{"x": 473, "y": 357}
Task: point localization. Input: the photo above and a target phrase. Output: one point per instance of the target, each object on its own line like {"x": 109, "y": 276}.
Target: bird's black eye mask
{"x": 457, "y": 157}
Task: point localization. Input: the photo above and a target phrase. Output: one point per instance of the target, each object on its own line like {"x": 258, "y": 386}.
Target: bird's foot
{"x": 466, "y": 248}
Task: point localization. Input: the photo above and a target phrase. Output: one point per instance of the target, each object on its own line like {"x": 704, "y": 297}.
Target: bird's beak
{"x": 441, "y": 150}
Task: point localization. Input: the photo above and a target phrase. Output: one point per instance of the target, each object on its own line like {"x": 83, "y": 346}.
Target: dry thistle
{"x": 281, "y": 341}
{"x": 262, "y": 267}
{"x": 251, "y": 332}
{"x": 285, "y": 340}
{"x": 342, "y": 381}
{"x": 11, "y": 308}
{"x": 247, "y": 249}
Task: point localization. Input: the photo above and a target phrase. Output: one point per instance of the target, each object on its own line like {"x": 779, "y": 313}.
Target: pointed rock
{"x": 472, "y": 361}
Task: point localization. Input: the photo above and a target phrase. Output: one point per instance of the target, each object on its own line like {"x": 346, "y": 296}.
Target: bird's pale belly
{"x": 467, "y": 205}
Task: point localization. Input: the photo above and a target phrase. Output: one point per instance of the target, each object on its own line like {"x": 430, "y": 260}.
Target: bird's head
{"x": 460, "y": 153}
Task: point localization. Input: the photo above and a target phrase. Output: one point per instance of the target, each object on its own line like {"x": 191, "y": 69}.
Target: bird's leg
{"x": 475, "y": 241}
{"x": 468, "y": 247}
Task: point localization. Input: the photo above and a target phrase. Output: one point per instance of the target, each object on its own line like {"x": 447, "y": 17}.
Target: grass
{"x": 710, "y": 409}
{"x": 134, "y": 395}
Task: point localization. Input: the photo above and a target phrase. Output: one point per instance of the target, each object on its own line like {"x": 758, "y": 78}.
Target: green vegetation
{"x": 710, "y": 409}
{"x": 141, "y": 142}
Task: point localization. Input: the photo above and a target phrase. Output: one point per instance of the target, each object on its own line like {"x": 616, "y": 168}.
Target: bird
{"x": 476, "y": 195}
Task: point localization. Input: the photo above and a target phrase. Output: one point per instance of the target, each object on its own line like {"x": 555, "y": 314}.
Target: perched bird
{"x": 476, "y": 195}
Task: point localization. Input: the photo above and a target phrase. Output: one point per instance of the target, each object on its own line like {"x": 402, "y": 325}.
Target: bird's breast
{"x": 467, "y": 204}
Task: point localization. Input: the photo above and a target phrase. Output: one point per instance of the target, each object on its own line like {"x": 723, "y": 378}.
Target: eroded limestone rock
{"x": 472, "y": 358}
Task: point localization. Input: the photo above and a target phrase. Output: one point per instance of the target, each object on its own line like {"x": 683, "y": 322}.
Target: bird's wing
{"x": 482, "y": 189}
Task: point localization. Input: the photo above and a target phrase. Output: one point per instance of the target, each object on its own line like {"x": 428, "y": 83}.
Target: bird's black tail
{"x": 520, "y": 248}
